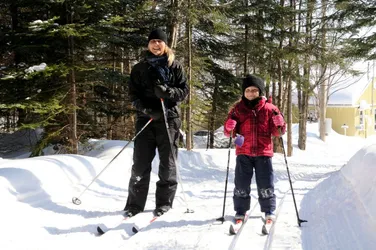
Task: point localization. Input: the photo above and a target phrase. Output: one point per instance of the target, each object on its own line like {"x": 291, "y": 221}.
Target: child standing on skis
{"x": 256, "y": 120}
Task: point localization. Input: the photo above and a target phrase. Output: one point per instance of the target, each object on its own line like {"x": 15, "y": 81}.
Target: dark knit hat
{"x": 251, "y": 80}
{"x": 158, "y": 34}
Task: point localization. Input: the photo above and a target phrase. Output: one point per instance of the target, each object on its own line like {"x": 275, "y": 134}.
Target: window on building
{"x": 361, "y": 117}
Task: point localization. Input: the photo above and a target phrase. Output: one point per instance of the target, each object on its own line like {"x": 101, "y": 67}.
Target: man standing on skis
{"x": 158, "y": 79}
{"x": 256, "y": 121}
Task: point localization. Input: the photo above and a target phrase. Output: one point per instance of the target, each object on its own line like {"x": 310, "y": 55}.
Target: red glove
{"x": 278, "y": 120}
{"x": 230, "y": 124}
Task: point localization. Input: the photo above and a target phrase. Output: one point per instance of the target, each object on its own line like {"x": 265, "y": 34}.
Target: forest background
{"x": 65, "y": 64}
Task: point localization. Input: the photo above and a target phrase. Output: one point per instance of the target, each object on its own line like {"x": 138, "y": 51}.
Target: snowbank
{"x": 32, "y": 178}
{"x": 360, "y": 172}
{"x": 340, "y": 209}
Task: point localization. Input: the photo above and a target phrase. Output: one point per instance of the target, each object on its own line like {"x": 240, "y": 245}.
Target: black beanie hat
{"x": 251, "y": 80}
{"x": 158, "y": 34}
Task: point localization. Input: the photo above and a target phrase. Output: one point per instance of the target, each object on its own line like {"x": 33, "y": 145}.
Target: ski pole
{"x": 76, "y": 200}
{"x": 288, "y": 174}
{"x": 174, "y": 157}
{"x": 222, "y": 219}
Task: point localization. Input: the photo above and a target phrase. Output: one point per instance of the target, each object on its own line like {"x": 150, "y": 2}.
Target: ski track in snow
{"x": 324, "y": 197}
{"x": 305, "y": 179}
{"x": 197, "y": 231}
{"x": 176, "y": 237}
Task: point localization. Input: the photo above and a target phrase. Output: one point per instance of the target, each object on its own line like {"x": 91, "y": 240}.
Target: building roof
{"x": 349, "y": 91}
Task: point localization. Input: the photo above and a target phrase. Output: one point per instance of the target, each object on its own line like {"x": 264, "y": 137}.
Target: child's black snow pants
{"x": 264, "y": 180}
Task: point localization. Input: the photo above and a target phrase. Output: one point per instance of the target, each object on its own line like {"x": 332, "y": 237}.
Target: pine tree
{"x": 71, "y": 38}
{"x": 359, "y": 15}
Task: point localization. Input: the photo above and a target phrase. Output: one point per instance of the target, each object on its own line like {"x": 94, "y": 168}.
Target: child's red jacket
{"x": 257, "y": 127}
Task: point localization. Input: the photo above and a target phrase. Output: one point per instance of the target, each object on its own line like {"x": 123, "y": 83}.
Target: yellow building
{"x": 353, "y": 110}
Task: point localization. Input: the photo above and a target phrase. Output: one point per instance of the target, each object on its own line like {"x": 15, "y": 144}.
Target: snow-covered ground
{"x": 334, "y": 184}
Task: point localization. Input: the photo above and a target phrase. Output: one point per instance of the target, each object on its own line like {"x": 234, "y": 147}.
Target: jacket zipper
{"x": 254, "y": 132}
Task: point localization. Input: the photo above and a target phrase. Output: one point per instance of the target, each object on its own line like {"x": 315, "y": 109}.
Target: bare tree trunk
{"x": 284, "y": 96}
{"x": 322, "y": 103}
{"x": 289, "y": 86}
{"x": 95, "y": 114}
{"x": 213, "y": 114}
{"x": 72, "y": 81}
{"x": 280, "y": 85}
{"x": 73, "y": 104}
{"x": 246, "y": 34}
{"x": 305, "y": 88}
{"x": 278, "y": 99}
{"x": 303, "y": 122}
{"x": 173, "y": 24}
{"x": 13, "y": 8}
{"x": 280, "y": 68}
{"x": 324, "y": 80}
{"x": 128, "y": 123}
{"x": 110, "y": 118}
{"x": 289, "y": 118}
{"x": 14, "y": 119}
{"x": 189, "y": 78}
{"x": 8, "y": 122}
{"x": 122, "y": 61}
{"x": 303, "y": 108}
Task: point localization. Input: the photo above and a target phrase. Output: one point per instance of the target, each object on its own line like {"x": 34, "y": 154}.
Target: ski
{"x": 103, "y": 230}
{"x": 267, "y": 226}
{"x": 238, "y": 226}
{"x": 236, "y": 229}
{"x": 136, "y": 229}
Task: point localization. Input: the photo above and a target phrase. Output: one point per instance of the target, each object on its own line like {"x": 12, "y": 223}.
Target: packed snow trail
{"x": 206, "y": 231}
{"x": 38, "y": 192}
{"x": 252, "y": 235}
{"x": 238, "y": 235}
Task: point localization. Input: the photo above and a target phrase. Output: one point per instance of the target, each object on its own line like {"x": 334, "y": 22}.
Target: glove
{"x": 230, "y": 124}
{"x": 138, "y": 105}
{"x": 154, "y": 114}
{"x": 162, "y": 91}
{"x": 239, "y": 140}
{"x": 278, "y": 120}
